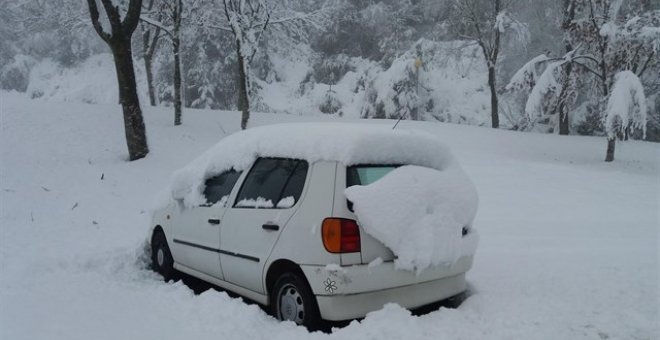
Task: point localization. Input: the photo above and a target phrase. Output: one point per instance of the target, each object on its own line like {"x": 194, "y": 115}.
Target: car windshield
{"x": 366, "y": 174}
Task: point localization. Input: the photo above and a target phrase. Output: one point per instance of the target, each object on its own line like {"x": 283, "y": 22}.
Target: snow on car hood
{"x": 350, "y": 144}
{"x": 419, "y": 213}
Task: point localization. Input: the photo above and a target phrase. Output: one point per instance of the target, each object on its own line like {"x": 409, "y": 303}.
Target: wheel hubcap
{"x": 291, "y": 305}
{"x": 160, "y": 257}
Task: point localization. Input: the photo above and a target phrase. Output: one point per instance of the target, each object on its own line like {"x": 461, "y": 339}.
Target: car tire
{"x": 292, "y": 300}
{"x": 161, "y": 257}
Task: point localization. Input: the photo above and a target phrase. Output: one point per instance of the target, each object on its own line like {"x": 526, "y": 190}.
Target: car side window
{"x": 293, "y": 189}
{"x": 273, "y": 183}
{"x": 218, "y": 188}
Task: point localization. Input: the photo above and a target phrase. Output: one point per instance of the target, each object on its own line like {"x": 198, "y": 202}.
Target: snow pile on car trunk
{"x": 347, "y": 143}
{"x": 419, "y": 213}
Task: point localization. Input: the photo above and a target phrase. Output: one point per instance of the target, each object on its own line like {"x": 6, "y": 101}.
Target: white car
{"x": 264, "y": 214}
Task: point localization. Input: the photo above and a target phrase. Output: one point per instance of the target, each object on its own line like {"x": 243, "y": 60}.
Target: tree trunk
{"x": 611, "y": 143}
{"x": 243, "y": 99}
{"x": 493, "y": 98}
{"x": 567, "y": 26}
{"x": 176, "y": 47}
{"x": 136, "y": 138}
{"x": 150, "y": 80}
{"x": 148, "y": 48}
{"x": 177, "y": 79}
{"x": 563, "y": 100}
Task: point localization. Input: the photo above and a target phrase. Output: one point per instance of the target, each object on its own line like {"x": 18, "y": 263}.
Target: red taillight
{"x": 340, "y": 235}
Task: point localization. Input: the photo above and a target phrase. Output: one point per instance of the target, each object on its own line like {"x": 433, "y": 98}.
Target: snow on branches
{"x": 546, "y": 86}
{"x": 505, "y": 22}
{"x": 527, "y": 76}
{"x": 626, "y": 106}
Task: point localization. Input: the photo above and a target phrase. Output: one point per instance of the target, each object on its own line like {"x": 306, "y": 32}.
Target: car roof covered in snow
{"x": 348, "y": 143}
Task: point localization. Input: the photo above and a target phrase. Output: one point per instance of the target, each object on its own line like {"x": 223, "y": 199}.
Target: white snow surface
{"x": 347, "y": 143}
{"x": 419, "y": 213}
{"x": 568, "y": 244}
{"x": 50, "y": 81}
{"x": 259, "y": 202}
{"x": 286, "y": 202}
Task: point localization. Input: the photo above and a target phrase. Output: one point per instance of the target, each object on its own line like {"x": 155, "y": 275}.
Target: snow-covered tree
{"x": 248, "y": 21}
{"x": 486, "y": 22}
{"x": 167, "y": 18}
{"x": 626, "y": 109}
{"x": 151, "y": 35}
{"x": 605, "y": 39}
{"x": 118, "y": 39}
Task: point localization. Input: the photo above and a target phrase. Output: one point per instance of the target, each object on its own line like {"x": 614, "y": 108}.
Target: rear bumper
{"x": 353, "y": 291}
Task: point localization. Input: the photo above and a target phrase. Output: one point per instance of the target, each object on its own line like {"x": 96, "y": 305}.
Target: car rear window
{"x": 366, "y": 174}
{"x": 273, "y": 183}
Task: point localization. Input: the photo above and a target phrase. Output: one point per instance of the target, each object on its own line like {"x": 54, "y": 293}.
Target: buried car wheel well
{"x": 291, "y": 297}
{"x": 276, "y": 270}
{"x": 157, "y": 229}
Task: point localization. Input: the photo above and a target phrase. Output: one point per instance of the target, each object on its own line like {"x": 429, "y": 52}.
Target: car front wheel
{"x": 293, "y": 301}
{"x": 161, "y": 258}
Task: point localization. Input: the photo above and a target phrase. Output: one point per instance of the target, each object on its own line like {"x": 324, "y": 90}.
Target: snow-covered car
{"x": 321, "y": 220}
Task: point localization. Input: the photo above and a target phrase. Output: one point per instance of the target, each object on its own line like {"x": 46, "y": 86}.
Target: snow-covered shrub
{"x": 330, "y": 70}
{"x": 449, "y": 86}
{"x": 540, "y": 99}
{"x": 396, "y": 91}
{"x": 330, "y": 103}
{"x": 50, "y": 80}
{"x": 16, "y": 74}
{"x": 518, "y": 90}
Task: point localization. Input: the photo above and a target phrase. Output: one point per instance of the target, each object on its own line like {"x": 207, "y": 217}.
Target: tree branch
{"x": 646, "y": 64}
{"x": 113, "y": 15}
{"x": 132, "y": 16}
{"x": 94, "y": 14}
{"x": 157, "y": 24}
{"x": 588, "y": 69}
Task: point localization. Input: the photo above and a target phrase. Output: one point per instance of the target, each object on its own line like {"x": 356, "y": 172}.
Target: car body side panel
{"x": 300, "y": 240}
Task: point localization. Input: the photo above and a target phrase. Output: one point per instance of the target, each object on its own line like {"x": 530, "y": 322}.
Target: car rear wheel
{"x": 161, "y": 258}
{"x": 292, "y": 300}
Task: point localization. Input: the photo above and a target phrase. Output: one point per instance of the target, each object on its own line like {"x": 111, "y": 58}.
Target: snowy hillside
{"x": 568, "y": 243}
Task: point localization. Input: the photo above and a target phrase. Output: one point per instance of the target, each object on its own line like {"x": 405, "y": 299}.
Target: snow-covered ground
{"x": 568, "y": 244}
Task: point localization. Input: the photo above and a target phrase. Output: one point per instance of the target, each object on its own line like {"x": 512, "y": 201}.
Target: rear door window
{"x": 273, "y": 183}
{"x": 218, "y": 188}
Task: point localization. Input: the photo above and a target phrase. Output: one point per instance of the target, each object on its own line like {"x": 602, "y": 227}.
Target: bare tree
{"x": 248, "y": 19}
{"x": 119, "y": 40}
{"x": 486, "y": 21}
{"x": 567, "y": 95}
{"x": 150, "y": 38}
{"x": 172, "y": 13}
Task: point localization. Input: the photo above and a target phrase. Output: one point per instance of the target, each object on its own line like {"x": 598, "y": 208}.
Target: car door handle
{"x": 268, "y": 226}
{"x": 214, "y": 221}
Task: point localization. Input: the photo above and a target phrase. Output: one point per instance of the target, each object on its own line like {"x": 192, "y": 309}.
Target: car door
{"x": 196, "y": 230}
{"x": 267, "y": 199}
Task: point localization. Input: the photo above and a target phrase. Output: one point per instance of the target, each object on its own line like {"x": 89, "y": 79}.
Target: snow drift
{"x": 419, "y": 213}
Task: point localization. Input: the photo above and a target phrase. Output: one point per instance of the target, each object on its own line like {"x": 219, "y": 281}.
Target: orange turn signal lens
{"x": 340, "y": 235}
